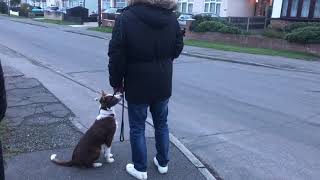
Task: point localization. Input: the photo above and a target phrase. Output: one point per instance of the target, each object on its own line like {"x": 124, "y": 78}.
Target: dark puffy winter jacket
{"x": 145, "y": 41}
{"x": 3, "y": 100}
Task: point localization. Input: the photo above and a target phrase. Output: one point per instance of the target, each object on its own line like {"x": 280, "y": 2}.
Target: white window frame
{"x": 123, "y": 3}
{"x": 187, "y": 3}
{"x": 211, "y": 3}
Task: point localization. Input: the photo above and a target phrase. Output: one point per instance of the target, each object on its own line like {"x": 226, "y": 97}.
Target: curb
{"x": 84, "y": 34}
{"x": 246, "y": 63}
{"x": 29, "y": 23}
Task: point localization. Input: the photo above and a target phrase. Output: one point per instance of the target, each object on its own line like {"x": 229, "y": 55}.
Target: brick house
{"x": 225, "y": 8}
{"x": 297, "y": 10}
{"x": 287, "y": 11}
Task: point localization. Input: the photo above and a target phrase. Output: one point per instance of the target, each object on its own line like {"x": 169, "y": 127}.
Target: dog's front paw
{"x": 108, "y": 155}
{"x": 110, "y": 160}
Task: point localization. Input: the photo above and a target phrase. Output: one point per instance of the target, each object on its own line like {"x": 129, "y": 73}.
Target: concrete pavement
{"x": 37, "y": 124}
{"x": 243, "y": 121}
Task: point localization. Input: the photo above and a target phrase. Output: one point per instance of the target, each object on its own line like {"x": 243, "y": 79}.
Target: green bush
{"x": 272, "y": 33}
{"x": 309, "y": 34}
{"x": 298, "y": 25}
{"x": 15, "y": 2}
{"x": 177, "y": 13}
{"x": 211, "y": 26}
{"x": 230, "y": 30}
{"x": 200, "y": 18}
{"x": 216, "y": 26}
{"x": 25, "y": 9}
{"x": 3, "y": 7}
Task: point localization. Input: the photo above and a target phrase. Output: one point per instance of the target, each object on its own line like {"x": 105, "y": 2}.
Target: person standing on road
{"x": 145, "y": 40}
{"x": 3, "y": 108}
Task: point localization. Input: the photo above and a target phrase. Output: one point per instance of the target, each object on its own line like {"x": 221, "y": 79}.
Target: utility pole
{"x": 9, "y": 7}
{"x": 99, "y": 13}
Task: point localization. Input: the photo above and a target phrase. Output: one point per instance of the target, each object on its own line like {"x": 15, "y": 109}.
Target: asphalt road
{"x": 245, "y": 122}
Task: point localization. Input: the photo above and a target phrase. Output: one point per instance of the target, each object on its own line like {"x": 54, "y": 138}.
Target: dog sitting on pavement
{"x": 98, "y": 138}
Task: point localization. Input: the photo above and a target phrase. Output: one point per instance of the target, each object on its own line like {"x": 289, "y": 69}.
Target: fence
{"x": 249, "y": 23}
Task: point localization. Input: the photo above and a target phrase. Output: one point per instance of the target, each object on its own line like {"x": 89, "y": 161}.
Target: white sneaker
{"x": 162, "y": 170}
{"x": 135, "y": 173}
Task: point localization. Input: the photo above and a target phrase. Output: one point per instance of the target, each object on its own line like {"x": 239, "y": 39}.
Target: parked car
{"x": 182, "y": 19}
{"x": 111, "y": 13}
{"x": 52, "y": 8}
{"x": 208, "y": 14}
{"x": 63, "y": 10}
{"x": 37, "y": 11}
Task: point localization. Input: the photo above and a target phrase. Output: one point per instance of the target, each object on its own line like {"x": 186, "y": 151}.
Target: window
{"x": 300, "y": 9}
{"x": 317, "y": 10}
{"x": 294, "y": 8}
{"x": 285, "y": 7}
{"x": 107, "y": 4}
{"x": 305, "y": 8}
{"x": 120, "y": 3}
{"x": 185, "y": 6}
{"x": 212, "y": 6}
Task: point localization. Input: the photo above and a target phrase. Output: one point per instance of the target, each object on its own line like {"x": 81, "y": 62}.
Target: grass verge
{"x": 12, "y": 16}
{"x": 260, "y": 51}
{"x": 102, "y": 29}
{"x": 58, "y": 22}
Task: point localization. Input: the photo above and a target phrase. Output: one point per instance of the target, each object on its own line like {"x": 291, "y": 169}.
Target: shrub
{"x": 310, "y": 34}
{"x": 177, "y": 13}
{"x": 199, "y": 19}
{"x": 15, "y": 2}
{"x": 230, "y": 30}
{"x": 272, "y": 33}
{"x": 212, "y": 26}
{"x": 298, "y": 25}
{"x": 25, "y": 9}
{"x": 3, "y": 7}
{"x": 216, "y": 26}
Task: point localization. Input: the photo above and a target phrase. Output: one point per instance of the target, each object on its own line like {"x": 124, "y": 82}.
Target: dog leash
{"x": 122, "y": 118}
{"x": 122, "y": 122}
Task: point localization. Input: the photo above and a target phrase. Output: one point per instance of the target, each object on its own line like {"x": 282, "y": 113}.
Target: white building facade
{"x": 65, "y": 3}
{"x": 220, "y": 8}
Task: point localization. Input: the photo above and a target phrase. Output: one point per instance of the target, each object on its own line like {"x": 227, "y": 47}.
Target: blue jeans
{"x": 137, "y": 119}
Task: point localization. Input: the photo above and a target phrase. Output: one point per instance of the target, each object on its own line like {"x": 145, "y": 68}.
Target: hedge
{"x": 216, "y": 26}
{"x": 310, "y": 34}
{"x": 3, "y": 7}
{"x": 25, "y": 9}
{"x": 199, "y": 19}
{"x": 274, "y": 33}
{"x": 298, "y": 25}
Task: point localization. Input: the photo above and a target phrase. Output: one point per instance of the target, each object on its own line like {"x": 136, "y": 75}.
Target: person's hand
{"x": 119, "y": 89}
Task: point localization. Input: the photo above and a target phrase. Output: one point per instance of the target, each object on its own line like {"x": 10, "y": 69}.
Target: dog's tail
{"x": 60, "y": 162}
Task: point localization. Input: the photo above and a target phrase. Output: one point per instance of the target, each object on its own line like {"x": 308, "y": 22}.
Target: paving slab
{"x": 37, "y": 166}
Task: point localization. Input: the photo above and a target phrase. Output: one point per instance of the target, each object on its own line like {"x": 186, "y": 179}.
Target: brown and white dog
{"x": 98, "y": 137}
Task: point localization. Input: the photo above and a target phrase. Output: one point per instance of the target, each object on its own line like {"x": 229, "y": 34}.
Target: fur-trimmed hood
{"x": 166, "y": 4}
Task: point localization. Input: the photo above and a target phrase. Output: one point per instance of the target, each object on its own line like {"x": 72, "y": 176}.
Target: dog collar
{"x": 105, "y": 113}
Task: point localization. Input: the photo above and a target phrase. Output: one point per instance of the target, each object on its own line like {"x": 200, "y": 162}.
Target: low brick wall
{"x": 254, "y": 42}
{"x": 107, "y": 23}
{"x": 53, "y": 15}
